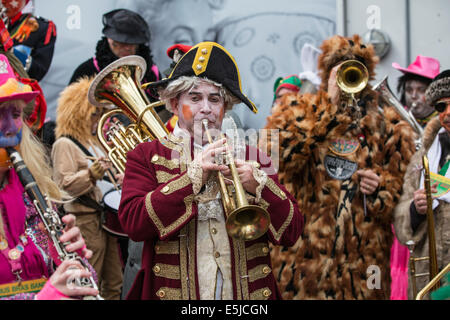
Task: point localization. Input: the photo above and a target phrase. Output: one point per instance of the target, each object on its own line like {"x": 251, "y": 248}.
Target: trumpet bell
{"x": 352, "y": 76}
{"x": 248, "y": 223}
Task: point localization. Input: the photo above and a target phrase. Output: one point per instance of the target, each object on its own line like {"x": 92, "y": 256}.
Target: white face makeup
{"x": 201, "y": 102}
{"x": 415, "y": 98}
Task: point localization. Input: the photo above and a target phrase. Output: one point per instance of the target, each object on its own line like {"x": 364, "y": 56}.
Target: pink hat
{"x": 423, "y": 66}
{"x": 10, "y": 87}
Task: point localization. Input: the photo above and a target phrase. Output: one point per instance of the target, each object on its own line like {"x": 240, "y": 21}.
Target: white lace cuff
{"x": 260, "y": 177}
{"x": 195, "y": 173}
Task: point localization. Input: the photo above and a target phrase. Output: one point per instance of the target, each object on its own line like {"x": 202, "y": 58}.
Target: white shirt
{"x": 213, "y": 247}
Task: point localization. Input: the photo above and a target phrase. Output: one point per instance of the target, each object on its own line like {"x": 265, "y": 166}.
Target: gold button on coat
{"x": 161, "y": 293}
{"x": 156, "y": 269}
{"x": 214, "y": 231}
{"x": 155, "y": 158}
{"x": 165, "y": 189}
{"x": 266, "y": 293}
{"x": 266, "y": 270}
{"x": 265, "y": 250}
{"x": 217, "y": 254}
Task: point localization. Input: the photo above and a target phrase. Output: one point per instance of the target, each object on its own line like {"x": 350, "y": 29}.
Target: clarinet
{"x": 49, "y": 217}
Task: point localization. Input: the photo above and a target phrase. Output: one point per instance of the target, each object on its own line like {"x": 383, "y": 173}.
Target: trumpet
{"x": 119, "y": 84}
{"x": 432, "y": 258}
{"x": 49, "y": 217}
{"x": 352, "y": 77}
{"x": 243, "y": 221}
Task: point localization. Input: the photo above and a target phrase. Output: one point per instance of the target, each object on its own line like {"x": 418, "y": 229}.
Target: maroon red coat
{"x": 158, "y": 207}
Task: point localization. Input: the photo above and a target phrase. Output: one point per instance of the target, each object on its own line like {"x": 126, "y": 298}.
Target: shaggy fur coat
{"x": 402, "y": 222}
{"x": 343, "y": 253}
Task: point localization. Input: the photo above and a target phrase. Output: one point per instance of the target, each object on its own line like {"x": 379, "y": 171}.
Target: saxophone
{"x": 49, "y": 217}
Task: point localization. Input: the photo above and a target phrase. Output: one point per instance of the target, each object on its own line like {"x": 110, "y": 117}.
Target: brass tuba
{"x": 119, "y": 84}
{"x": 432, "y": 255}
{"x": 389, "y": 98}
{"x": 243, "y": 221}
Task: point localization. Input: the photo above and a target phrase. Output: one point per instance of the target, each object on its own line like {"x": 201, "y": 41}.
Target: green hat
{"x": 210, "y": 60}
{"x": 291, "y": 82}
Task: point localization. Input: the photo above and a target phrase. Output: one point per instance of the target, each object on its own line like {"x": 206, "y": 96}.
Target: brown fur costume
{"x": 339, "y": 244}
{"x": 74, "y": 112}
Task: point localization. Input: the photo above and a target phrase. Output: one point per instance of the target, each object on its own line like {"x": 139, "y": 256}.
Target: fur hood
{"x": 73, "y": 113}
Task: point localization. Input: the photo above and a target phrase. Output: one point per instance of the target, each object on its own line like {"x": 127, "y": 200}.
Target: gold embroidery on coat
{"x": 240, "y": 269}
{"x": 178, "y": 184}
{"x": 166, "y": 163}
{"x": 238, "y": 272}
{"x": 184, "y": 263}
{"x": 263, "y": 203}
{"x": 163, "y": 230}
{"x": 163, "y": 176}
{"x": 261, "y": 294}
{"x": 277, "y": 234}
{"x": 167, "y": 271}
{"x": 167, "y": 247}
{"x": 275, "y": 189}
{"x": 257, "y": 250}
{"x": 259, "y": 272}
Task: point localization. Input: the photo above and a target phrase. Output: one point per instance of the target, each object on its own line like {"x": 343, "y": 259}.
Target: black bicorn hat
{"x": 209, "y": 60}
{"x": 125, "y": 26}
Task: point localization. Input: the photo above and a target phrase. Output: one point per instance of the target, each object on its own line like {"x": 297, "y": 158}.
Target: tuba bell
{"x": 120, "y": 84}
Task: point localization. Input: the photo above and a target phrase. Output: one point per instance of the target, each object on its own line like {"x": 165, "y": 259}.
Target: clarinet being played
{"x": 50, "y": 218}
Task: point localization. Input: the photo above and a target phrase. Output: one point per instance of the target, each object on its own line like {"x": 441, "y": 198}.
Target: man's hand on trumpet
{"x": 207, "y": 159}
{"x": 209, "y": 163}
{"x": 245, "y": 171}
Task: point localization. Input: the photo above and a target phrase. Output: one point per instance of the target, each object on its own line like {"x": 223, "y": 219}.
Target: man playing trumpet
{"x": 344, "y": 162}
{"x": 171, "y": 198}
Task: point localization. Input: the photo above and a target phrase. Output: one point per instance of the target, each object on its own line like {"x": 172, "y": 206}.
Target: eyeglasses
{"x": 442, "y": 105}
